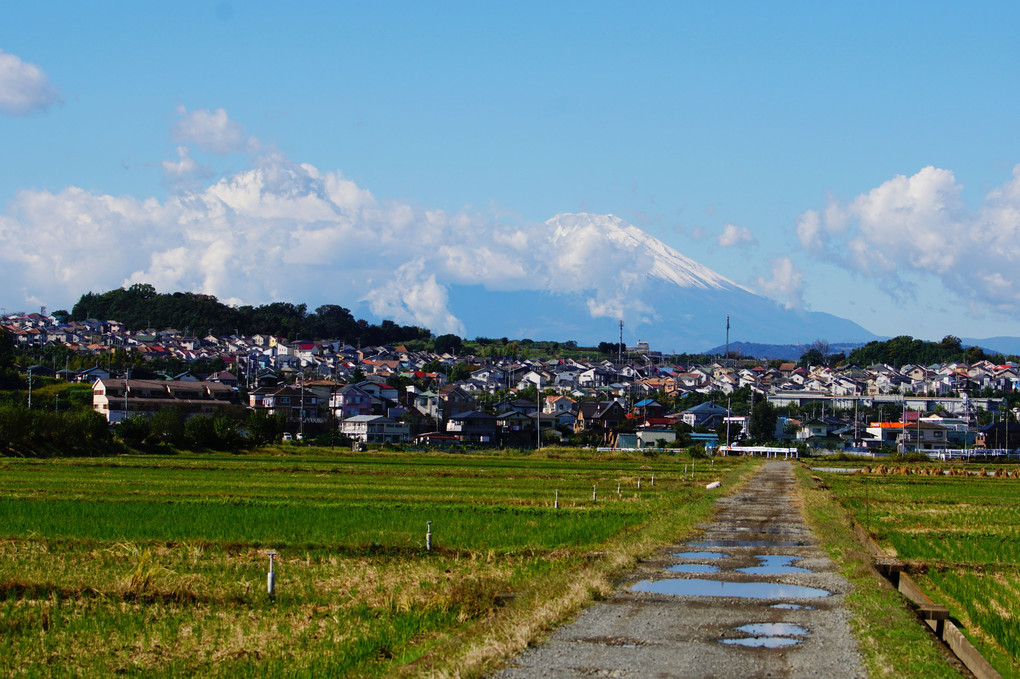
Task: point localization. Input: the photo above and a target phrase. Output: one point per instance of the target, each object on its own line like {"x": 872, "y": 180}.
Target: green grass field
{"x": 156, "y": 565}
{"x": 962, "y": 536}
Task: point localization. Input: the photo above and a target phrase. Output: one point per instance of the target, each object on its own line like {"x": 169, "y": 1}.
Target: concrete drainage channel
{"x": 934, "y": 615}
{"x": 752, "y": 596}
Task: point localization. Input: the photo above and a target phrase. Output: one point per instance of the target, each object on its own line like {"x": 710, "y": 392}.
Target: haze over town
{"x": 389, "y": 158}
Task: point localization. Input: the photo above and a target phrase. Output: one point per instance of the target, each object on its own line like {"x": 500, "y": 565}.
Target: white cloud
{"x": 213, "y": 132}
{"x": 280, "y": 230}
{"x": 286, "y": 231}
{"x": 24, "y": 87}
{"x": 809, "y": 231}
{"x": 918, "y": 226}
{"x": 733, "y": 236}
{"x": 414, "y": 296}
{"x": 185, "y": 172}
{"x": 786, "y": 283}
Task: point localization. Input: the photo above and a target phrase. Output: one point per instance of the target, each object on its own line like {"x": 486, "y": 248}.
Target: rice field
{"x": 157, "y": 565}
{"x": 961, "y": 535}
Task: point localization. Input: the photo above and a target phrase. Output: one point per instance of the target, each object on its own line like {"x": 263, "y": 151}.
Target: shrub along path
{"x": 753, "y": 596}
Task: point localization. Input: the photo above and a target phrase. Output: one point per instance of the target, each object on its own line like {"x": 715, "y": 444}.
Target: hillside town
{"x": 390, "y": 394}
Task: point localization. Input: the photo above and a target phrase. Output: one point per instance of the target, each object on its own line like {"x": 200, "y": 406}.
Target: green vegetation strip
{"x": 959, "y": 535}
{"x": 157, "y": 565}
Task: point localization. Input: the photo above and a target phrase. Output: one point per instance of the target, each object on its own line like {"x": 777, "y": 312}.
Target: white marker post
{"x": 428, "y": 536}
{"x": 271, "y": 576}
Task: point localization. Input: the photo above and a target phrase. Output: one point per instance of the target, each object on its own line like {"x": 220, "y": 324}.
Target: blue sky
{"x": 851, "y": 159}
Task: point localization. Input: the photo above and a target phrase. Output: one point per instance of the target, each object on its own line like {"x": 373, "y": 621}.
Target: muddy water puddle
{"x": 748, "y": 543}
{"x": 762, "y": 642}
{"x": 699, "y": 555}
{"x": 693, "y": 568}
{"x": 724, "y": 588}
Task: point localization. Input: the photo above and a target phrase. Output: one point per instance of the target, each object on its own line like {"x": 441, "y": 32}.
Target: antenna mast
{"x": 727, "y": 336}
{"x": 619, "y": 349}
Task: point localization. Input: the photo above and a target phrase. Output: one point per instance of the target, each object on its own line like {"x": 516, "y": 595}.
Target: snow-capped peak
{"x": 664, "y": 262}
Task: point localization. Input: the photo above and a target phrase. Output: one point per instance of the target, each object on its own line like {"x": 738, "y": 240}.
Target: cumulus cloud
{"x": 918, "y": 226}
{"x": 733, "y": 236}
{"x": 785, "y": 284}
{"x": 281, "y": 230}
{"x": 185, "y": 172}
{"x": 24, "y": 87}
{"x": 213, "y": 132}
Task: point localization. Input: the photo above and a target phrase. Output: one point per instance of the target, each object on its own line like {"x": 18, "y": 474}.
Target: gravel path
{"x": 713, "y": 617}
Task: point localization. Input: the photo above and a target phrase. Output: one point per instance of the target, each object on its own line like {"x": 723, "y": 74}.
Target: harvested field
{"x": 157, "y": 565}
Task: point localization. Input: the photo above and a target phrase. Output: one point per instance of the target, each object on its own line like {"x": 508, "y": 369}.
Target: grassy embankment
{"x": 157, "y": 565}
{"x": 960, "y": 535}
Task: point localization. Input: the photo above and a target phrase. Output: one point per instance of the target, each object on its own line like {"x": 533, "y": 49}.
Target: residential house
{"x": 705, "y": 414}
{"x": 472, "y": 426}
{"x": 375, "y": 429}
{"x": 600, "y": 416}
{"x": 350, "y": 401}
{"x": 297, "y": 404}
{"x": 117, "y": 399}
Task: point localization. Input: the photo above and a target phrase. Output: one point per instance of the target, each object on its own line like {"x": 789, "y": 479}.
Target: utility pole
{"x": 332, "y": 414}
{"x": 538, "y": 416}
{"x": 301, "y": 416}
{"x": 729, "y": 414}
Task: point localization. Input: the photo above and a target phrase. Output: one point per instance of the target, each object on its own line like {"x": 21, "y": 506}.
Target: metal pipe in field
{"x": 271, "y": 576}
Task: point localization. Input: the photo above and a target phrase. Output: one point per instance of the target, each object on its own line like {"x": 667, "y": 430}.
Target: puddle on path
{"x": 773, "y": 629}
{"x": 699, "y": 555}
{"x": 762, "y": 642}
{"x": 693, "y": 568}
{"x": 723, "y": 588}
{"x": 774, "y": 565}
{"x": 793, "y": 607}
{"x": 748, "y": 543}
{"x": 768, "y": 635}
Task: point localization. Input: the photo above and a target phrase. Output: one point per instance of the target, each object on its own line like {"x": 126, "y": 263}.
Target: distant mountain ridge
{"x": 663, "y": 296}
{"x": 784, "y": 352}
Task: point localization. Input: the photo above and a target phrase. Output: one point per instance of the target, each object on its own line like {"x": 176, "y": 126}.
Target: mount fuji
{"x": 606, "y": 270}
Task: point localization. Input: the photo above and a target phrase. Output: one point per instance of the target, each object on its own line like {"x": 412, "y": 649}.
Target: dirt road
{"x": 752, "y": 597}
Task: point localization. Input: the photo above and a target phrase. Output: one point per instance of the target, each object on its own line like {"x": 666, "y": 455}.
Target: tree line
{"x": 139, "y": 307}
{"x": 904, "y": 350}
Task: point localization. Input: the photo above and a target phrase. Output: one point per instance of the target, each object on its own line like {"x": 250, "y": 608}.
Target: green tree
{"x": 168, "y": 427}
{"x": 461, "y": 371}
{"x": 763, "y": 421}
{"x": 264, "y": 428}
{"x": 201, "y": 432}
{"x": 448, "y": 344}
{"x": 8, "y": 373}
{"x": 133, "y": 431}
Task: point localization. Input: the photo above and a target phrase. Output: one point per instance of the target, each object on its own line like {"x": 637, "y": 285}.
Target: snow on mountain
{"x": 667, "y": 263}
{"x": 612, "y": 270}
